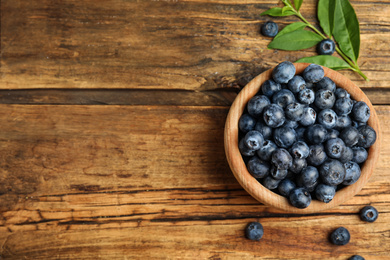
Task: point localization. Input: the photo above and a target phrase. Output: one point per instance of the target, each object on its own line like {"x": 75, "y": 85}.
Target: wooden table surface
{"x": 111, "y": 132}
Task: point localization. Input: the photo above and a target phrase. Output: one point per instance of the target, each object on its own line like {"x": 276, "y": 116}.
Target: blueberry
{"x": 369, "y": 214}
{"x": 367, "y": 136}
{"x": 301, "y": 133}
{"x": 300, "y": 198}
{"x": 308, "y": 178}
{"x": 254, "y": 231}
{"x": 317, "y": 155}
{"x": 359, "y": 154}
{"x": 296, "y": 84}
{"x": 283, "y": 98}
{"x": 356, "y": 257}
{"x": 327, "y": 118}
{"x": 313, "y": 73}
{"x": 343, "y": 122}
{"x": 352, "y": 173}
{"x": 264, "y": 129}
{"x": 258, "y": 168}
{"x": 269, "y": 29}
{"x": 286, "y": 186}
{"x": 285, "y": 136}
{"x": 326, "y": 47}
{"x": 273, "y": 115}
{"x": 350, "y": 136}
{"x": 333, "y": 133}
{"x": 291, "y": 124}
{"x": 361, "y": 112}
{"x": 278, "y": 174}
{"x": 256, "y": 105}
{"x": 340, "y": 236}
{"x": 283, "y": 72}
{"x": 300, "y": 150}
{"x": 332, "y": 172}
{"x": 326, "y": 83}
{"x": 306, "y": 96}
{"x": 346, "y": 155}
{"x": 294, "y": 111}
{"x": 309, "y": 116}
{"x": 281, "y": 158}
{"x": 343, "y": 106}
{"x": 298, "y": 165}
{"x": 325, "y": 193}
{"x": 270, "y": 183}
{"x": 265, "y": 152}
{"x": 254, "y": 140}
{"x": 244, "y": 150}
{"x": 324, "y": 98}
{"x": 316, "y": 134}
{"x": 342, "y": 93}
{"x": 246, "y": 123}
{"x": 270, "y": 87}
{"x": 334, "y": 148}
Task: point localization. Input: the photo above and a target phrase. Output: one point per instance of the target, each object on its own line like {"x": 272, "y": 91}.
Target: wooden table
{"x": 111, "y": 132}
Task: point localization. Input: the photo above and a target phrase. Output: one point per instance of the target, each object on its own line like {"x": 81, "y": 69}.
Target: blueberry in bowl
{"x": 313, "y": 154}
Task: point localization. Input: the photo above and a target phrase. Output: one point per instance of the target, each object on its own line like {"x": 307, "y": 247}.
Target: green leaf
{"x": 298, "y": 4}
{"x": 331, "y": 62}
{"x": 290, "y": 28}
{"x": 295, "y": 40}
{"x": 325, "y": 15}
{"x": 277, "y": 11}
{"x": 346, "y": 29}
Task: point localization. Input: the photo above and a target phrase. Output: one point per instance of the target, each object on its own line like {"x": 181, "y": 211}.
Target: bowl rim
{"x": 268, "y": 197}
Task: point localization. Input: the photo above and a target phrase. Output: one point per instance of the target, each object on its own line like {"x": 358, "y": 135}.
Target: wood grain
{"x": 93, "y": 182}
{"x": 192, "y": 45}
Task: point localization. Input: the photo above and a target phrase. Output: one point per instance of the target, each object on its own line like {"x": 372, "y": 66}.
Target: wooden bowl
{"x": 266, "y": 196}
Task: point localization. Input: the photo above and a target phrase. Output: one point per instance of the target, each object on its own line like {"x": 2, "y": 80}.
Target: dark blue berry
{"x": 300, "y": 150}
{"x": 286, "y": 186}
{"x": 254, "y": 140}
{"x": 256, "y": 105}
{"x": 334, "y": 148}
{"x": 342, "y": 93}
{"x": 244, "y": 150}
{"x": 269, "y": 29}
{"x": 361, "y": 112}
{"x": 309, "y": 116}
{"x": 294, "y": 111}
{"x": 359, "y": 154}
{"x": 300, "y": 198}
{"x": 273, "y": 115}
{"x": 343, "y": 122}
{"x": 283, "y": 98}
{"x": 285, "y": 136}
{"x": 317, "y": 155}
{"x": 296, "y": 84}
{"x": 324, "y": 98}
{"x": 333, "y": 133}
{"x": 346, "y": 155}
{"x": 281, "y": 158}
{"x": 301, "y": 133}
{"x": 265, "y": 152}
{"x": 325, "y": 193}
{"x": 367, "y": 136}
{"x": 246, "y": 123}
{"x": 306, "y": 96}
{"x": 352, "y": 173}
{"x": 277, "y": 173}
{"x": 258, "y": 168}
{"x": 326, "y": 83}
{"x": 316, "y": 134}
{"x": 265, "y": 130}
{"x": 327, "y": 118}
{"x": 343, "y": 106}
{"x": 326, "y": 47}
{"x": 340, "y": 236}
{"x": 308, "y": 178}
{"x": 254, "y": 231}
{"x": 270, "y": 183}
{"x": 350, "y": 136}
{"x": 270, "y": 87}
{"x": 298, "y": 165}
{"x": 356, "y": 257}
{"x": 291, "y": 124}
{"x": 332, "y": 172}
{"x": 369, "y": 214}
{"x": 283, "y": 72}
{"x": 313, "y": 73}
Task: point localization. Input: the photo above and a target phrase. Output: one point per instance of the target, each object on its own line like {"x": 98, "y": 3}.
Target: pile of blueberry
{"x": 302, "y": 136}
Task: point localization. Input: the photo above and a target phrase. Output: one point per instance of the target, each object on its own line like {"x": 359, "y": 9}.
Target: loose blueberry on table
{"x": 340, "y": 236}
{"x": 304, "y": 137}
{"x": 254, "y": 231}
{"x": 269, "y": 29}
{"x": 369, "y": 214}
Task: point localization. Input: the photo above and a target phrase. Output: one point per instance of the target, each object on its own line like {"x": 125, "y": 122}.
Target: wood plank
{"x": 192, "y": 45}
{"x": 128, "y": 181}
